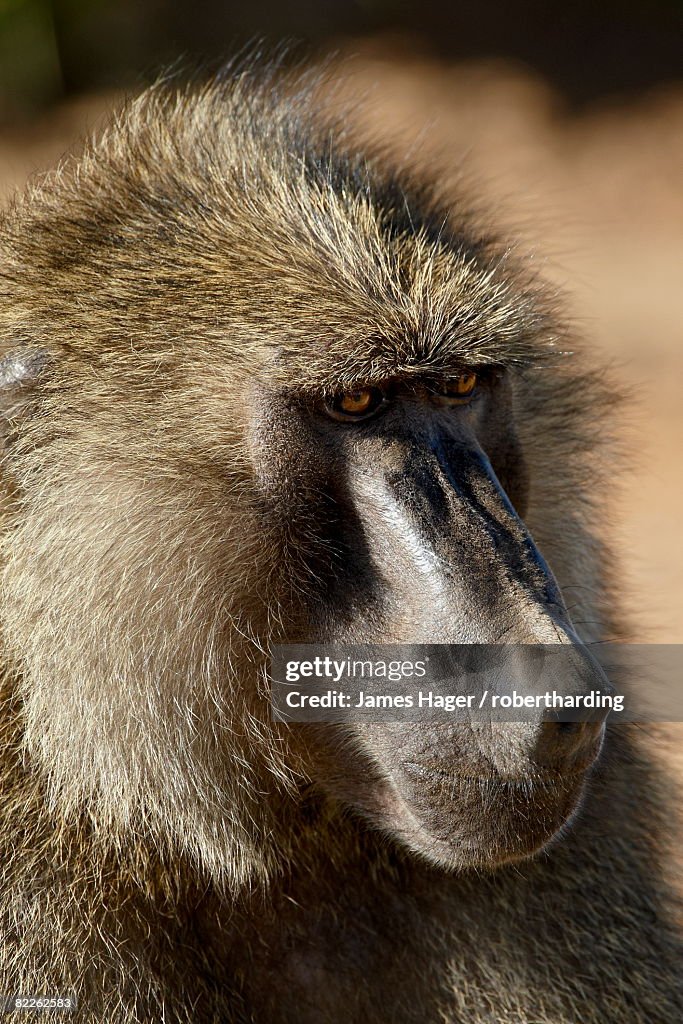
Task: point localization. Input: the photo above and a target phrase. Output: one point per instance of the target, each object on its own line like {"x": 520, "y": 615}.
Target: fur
{"x": 165, "y": 853}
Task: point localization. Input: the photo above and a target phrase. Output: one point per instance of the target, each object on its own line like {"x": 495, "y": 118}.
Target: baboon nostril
{"x": 568, "y": 746}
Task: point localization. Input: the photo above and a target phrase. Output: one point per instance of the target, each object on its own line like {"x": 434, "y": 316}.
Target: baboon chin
{"x": 258, "y": 388}
{"x": 456, "y": 823}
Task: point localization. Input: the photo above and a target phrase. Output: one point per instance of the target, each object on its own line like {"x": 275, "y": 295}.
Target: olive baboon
{"x": 256, "y": 388}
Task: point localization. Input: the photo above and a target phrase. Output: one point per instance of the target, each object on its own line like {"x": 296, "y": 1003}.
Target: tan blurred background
{"x": 571, "y": 117}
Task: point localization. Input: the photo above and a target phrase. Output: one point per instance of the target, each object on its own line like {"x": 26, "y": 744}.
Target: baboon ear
{"x": 20, "y": 370}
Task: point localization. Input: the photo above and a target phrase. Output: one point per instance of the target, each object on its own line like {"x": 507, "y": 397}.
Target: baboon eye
{"x": 355, "y": 405}
{"x": 459, "y": 389}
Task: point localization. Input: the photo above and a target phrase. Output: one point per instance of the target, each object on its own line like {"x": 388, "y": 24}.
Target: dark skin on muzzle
{"x": 419, "y": 489}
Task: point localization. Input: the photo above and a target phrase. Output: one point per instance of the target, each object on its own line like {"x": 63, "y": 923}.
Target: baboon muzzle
{"x": 460, "y": 567}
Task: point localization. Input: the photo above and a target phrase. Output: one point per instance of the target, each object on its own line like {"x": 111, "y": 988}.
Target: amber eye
{"x": 355, "y": 405}
{"x": 459, "y": 389}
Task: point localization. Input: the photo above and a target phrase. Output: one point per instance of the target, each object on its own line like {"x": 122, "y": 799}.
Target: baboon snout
{"x": 548, "y": 741}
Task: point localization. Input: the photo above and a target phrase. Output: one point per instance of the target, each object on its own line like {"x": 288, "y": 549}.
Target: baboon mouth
{"x": 535, "y": 776}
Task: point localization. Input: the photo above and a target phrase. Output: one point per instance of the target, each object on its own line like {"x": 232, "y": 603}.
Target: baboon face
{"x": 254, "y": 393}
{"x": 416, "y": 487}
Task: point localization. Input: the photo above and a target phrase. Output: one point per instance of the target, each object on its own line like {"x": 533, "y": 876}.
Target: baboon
{"x": 257, "y": 387}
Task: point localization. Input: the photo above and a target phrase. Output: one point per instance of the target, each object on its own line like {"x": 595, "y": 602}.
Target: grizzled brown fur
{"x": 165, "y": 851}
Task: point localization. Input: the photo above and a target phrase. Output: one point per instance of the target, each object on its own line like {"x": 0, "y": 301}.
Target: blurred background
{"x": 569, "y": 116}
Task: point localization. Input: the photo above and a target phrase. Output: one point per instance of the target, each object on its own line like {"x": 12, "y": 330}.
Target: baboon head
{"x": 259, "y": 390}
